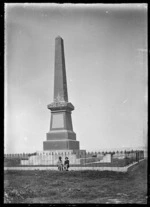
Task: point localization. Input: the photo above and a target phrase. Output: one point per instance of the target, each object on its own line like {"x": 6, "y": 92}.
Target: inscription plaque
{"x": 58, "y": 121}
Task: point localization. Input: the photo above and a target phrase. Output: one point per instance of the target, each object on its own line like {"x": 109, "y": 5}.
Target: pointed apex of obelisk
{"x": 58, "y": 37}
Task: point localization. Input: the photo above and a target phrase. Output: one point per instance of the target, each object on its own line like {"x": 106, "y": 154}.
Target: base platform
{"x": 61, "y": 145}
{"x": 50, "y": 157}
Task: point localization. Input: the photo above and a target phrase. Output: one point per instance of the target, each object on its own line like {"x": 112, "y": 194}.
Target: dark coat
{"x": 66, "y": 162}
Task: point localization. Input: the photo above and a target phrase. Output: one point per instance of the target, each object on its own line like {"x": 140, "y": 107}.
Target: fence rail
{"x": 83, "y": 159}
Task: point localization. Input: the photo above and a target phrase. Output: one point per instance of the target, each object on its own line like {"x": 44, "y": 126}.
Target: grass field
{"x": 77, "y": 187}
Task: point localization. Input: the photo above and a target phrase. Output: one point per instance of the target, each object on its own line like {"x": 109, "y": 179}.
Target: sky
{"x": 106, "y": 65}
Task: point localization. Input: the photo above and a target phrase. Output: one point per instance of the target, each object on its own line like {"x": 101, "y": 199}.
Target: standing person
{"x": 60, "y": 164}
{"x": 66, "y": 163}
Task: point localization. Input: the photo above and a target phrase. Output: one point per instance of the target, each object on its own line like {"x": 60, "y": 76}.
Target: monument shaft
{"x": 60, "y": 81}
{"x": 60, "y": 135}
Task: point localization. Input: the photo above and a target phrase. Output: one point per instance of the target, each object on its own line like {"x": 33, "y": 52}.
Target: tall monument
{"x": 61, "y": 139}
{"x": 61, "y": 135}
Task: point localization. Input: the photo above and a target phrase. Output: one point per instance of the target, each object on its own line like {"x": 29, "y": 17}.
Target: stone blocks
{"x": 60, "y": 145}
{"x": 60, "y": 135}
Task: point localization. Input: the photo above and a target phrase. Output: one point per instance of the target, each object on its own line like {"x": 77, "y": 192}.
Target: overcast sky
{"x": 106, "y": 64}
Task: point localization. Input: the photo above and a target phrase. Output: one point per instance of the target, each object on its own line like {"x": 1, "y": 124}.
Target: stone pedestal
{"x": 65, "y": 144}
{"x": 61, "y": 135}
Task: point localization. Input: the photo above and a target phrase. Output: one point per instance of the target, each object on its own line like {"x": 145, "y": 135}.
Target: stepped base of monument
{"x": 61, "y": 135}
{"x": 50, "y": 157}
{"x": 61, "y": 145}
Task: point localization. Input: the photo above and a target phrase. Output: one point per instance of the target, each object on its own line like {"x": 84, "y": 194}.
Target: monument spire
{"x": 60, "y": 80}
{"x": 61, "y": 135}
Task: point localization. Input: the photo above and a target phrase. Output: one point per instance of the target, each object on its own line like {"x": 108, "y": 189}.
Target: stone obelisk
{"x": 60, "y": 135}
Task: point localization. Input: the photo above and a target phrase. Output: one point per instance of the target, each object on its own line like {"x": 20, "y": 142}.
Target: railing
{"x": 82, "y": 159}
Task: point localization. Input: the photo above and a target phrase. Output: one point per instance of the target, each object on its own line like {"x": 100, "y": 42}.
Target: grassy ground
{"x": 76, "y": 187}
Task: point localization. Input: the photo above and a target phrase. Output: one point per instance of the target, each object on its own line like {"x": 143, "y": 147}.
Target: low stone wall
{"x": 76, "y": 168}
{"x": 46, "y": 158}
